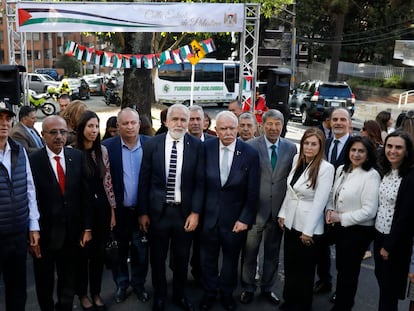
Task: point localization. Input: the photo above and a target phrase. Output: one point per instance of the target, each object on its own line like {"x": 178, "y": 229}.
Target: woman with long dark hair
{"x": 102, "y": 200}
{"x": 302, "y": 218}
{"x": 394, "y": 223}
{"x": 350, "y": 213}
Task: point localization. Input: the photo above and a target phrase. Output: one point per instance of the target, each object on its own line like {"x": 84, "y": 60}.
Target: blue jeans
{"x": 132, "y": 244}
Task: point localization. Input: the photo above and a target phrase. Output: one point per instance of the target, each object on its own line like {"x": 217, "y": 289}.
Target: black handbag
{"x": 111, "y": 252}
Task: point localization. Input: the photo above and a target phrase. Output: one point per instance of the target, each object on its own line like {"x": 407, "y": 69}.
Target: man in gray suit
{"x": 276, "y": 156}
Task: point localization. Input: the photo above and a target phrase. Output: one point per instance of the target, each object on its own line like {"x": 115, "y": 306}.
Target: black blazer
{"x": 152, "y": 178}
{"x": 62, "y": 217}
{"x": 237, "y": 198}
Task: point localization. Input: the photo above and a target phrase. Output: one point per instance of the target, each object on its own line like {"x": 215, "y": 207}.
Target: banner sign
{"x": 129, "y": 17}
{"x": 193, "y": 52}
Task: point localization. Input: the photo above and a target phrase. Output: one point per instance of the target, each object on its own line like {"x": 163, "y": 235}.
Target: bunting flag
{"x": 106, "y": 59}
{"x": 126, "y": 61}
{"x": 88, "y": 55}
{"x": 118, "y": 60}
{"x": 192, "y": 52}
{"x": 208, "y": 45}
{"x": 98, "y": 56}
{"x": 137, "y": 61}
{"x": 247, "y": 83}
{"x": 70, "y": 48}
{"x": 79, "y": 52}
{"x": 177, "y": 57}
{"x": 165, "y": 58}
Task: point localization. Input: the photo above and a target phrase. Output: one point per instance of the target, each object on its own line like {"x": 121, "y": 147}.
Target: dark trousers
{"x": 131, "y": 244}
{"x": 195, "y": 256}
{"x": 13, "y": 252}
{"x": 300, "y": 263}
{"x": 323, "y": 261}
{"x": 388, "y": 299}
{"x": 351, "y": 244}
{"x": 271, "y": 235}
{"x": 229, "y": 243}
{"x": 62, "y": 262}
{"x": 168, "y": 234}
{"x": 90, "y": 268}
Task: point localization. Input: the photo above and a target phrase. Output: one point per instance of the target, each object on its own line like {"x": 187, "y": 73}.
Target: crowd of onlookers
{"x": 187, "y": 197}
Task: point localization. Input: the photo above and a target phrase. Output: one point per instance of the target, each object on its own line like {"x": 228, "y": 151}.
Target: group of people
{"x": 187, "y": 193}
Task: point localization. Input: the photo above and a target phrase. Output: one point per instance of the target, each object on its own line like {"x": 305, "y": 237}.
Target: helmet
{"x": 51, "y": 89}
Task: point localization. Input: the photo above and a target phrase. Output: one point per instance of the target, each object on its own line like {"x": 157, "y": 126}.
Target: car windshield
{"x": 47, "y": 77}
{"x": 335, "y": 91}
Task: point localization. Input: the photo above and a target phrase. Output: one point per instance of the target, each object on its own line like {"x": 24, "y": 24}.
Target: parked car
{"x": 95, "y": 84}
{"x": 311, "y": 98}
{"x": 40, "y": 82}
{"x": 80, "y": 88}
{"x": 49, "y": 71}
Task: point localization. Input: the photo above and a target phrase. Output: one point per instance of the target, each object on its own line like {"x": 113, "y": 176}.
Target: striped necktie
{"x": 170, "y": 197}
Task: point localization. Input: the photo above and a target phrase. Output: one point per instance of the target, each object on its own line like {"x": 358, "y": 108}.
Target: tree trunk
{"x": 336, "y": 47}
{"x": 138, "y": 87}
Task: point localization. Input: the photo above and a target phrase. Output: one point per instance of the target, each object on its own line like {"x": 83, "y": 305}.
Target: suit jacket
{"x": 114, "y": 147}
{"x": 153, "y": 179}
{"x": 208, "y": 136}
{"x": 62, "y": 217}
{"x": 272, "y": 182}
{"x": 340, "y": 159}
{"x": 237, "y": 198}
{"x": 20, "y": 134}
{"x": 303, "y": 207}
{"x": 355, "y": 196}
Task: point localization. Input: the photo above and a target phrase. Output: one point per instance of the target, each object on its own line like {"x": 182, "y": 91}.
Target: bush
{"x": 393, "y": 82}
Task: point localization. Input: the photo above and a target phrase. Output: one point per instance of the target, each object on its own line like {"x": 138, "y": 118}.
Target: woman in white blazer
{"x": 350, "y": 214}
{"x": 302, "y": 218}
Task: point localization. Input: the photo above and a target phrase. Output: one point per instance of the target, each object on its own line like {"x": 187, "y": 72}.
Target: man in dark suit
{"x": 232, "y": 179}
{"x": 195, "y": 128}
{"x": 325, "y": 125}
{"x": 125, "y": 158}
{"x": 170, "y": 202}
{"x": 247, "y": 126}
{"x": 24, "y": 131}
{"x": 335, "y": 154}
{"x": 65, "y": 219}
{"x": 274, "y": 169}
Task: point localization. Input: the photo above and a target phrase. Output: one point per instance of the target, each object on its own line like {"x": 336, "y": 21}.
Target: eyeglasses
{"x": 56, "y": 132}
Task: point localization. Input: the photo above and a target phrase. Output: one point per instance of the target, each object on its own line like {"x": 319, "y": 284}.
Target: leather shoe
{"x": 207, "y": 302}
{"x": 184, "y": 303}
{"x": 322, "y": 287}
{"x": 228, "y": 303}
{"x": 333, "y": 298}
{"x": 159, "y": 305}
{"x": 246, "y": 297}
{"x": 120, "y": 295}
{"x": 271, "y": 297}
{"x": 142, "y": 295}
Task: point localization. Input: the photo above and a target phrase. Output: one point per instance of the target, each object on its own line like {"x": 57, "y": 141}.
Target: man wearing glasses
{"x": 65, "y": 215}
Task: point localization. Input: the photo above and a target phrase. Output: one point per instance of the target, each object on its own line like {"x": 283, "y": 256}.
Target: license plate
{"x": 335, "y": 104}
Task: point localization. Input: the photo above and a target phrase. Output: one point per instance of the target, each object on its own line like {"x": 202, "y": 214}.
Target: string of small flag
{"x": 149, "y": 61}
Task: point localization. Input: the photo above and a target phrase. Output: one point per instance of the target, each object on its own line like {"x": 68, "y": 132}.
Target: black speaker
{"x": 10, "y": 84}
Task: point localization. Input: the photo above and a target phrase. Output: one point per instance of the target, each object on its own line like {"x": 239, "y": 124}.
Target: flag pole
{"x": 192, "y": 84}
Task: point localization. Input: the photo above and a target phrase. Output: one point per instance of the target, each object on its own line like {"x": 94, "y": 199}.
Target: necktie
{"x": 224, "y": 167}
{"x": 61, "y": 174}
{"x": 170, "y": 197}
{"x": 37, "y": 139}
{"x": 334, "y": 153}
{"x": 273, "y": 157}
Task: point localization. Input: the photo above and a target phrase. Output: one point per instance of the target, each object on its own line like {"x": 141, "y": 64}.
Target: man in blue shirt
{"x": 125, "y": 155}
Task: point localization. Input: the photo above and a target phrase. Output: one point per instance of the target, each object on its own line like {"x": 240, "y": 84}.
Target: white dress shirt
{"x": 180, "y": 150}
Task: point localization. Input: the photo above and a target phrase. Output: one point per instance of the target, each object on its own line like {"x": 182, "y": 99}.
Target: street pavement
{"x": 367, "y": 295}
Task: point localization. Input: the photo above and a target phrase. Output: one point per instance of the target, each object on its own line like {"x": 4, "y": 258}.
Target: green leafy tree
{"x": 70, "y": 64}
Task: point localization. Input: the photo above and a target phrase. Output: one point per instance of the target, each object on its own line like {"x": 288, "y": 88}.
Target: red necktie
{"x": 61, "y": 174}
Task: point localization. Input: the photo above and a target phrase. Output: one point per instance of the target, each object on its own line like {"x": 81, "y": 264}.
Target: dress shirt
{"x": 51, "y": 155}
{"x": 180, "y": 150}
{"x": 388, "y": 192}
{"x": 131, "y": 165}
{"x": 231, "y": 148}
{"x": 269, "y": 147}
{"x": 341, "y": 145}
{"x": 5, "y": 159}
